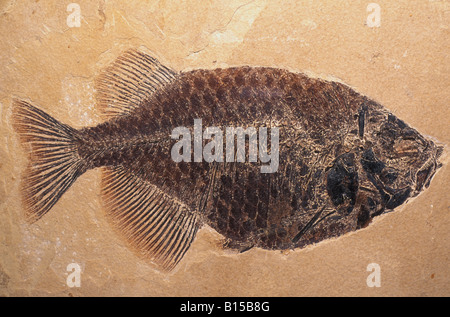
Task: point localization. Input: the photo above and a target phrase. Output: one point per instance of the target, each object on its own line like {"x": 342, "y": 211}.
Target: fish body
{"x": 342, "y": 158}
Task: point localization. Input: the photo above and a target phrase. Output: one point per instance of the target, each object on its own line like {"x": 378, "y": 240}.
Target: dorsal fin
{"x": 157, "y": 226}
{"x": 129, "y": 80}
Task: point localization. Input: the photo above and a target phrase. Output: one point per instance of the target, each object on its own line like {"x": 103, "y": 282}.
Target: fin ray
{"x": 129, "y": 80}
{"x": 53, "y": 160}
{"x": 156, "y": 225}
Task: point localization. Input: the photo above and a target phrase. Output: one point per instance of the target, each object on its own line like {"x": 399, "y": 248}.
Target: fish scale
{"x": 342, "y": 158}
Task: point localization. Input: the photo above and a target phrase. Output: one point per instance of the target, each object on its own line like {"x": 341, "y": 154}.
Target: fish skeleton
{"x": 342, "y": 158}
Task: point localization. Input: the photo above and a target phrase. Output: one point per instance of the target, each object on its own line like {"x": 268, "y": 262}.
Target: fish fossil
{"x": 342, "y": 158}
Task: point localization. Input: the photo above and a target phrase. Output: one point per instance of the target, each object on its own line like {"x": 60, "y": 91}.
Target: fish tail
{"x": 54, "y": 163}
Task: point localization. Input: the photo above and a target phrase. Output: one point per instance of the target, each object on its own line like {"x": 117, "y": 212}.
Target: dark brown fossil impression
{"x": 342, "y": 158}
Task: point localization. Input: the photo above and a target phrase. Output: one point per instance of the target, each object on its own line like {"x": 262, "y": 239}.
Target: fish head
{"x": 397, "y": 162}
{"x": 390, "y": 163}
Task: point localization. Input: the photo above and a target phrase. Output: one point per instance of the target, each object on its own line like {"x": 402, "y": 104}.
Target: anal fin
{"x": 157, "y": 226}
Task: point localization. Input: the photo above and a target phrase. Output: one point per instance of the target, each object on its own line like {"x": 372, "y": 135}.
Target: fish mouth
{"x": 428, "y": 169}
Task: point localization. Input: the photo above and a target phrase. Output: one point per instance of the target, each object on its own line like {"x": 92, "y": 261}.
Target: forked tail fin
{"x": 53, "y": 164}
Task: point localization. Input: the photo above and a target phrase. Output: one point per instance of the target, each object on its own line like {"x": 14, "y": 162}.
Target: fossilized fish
{"x": 342, "y": 158}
